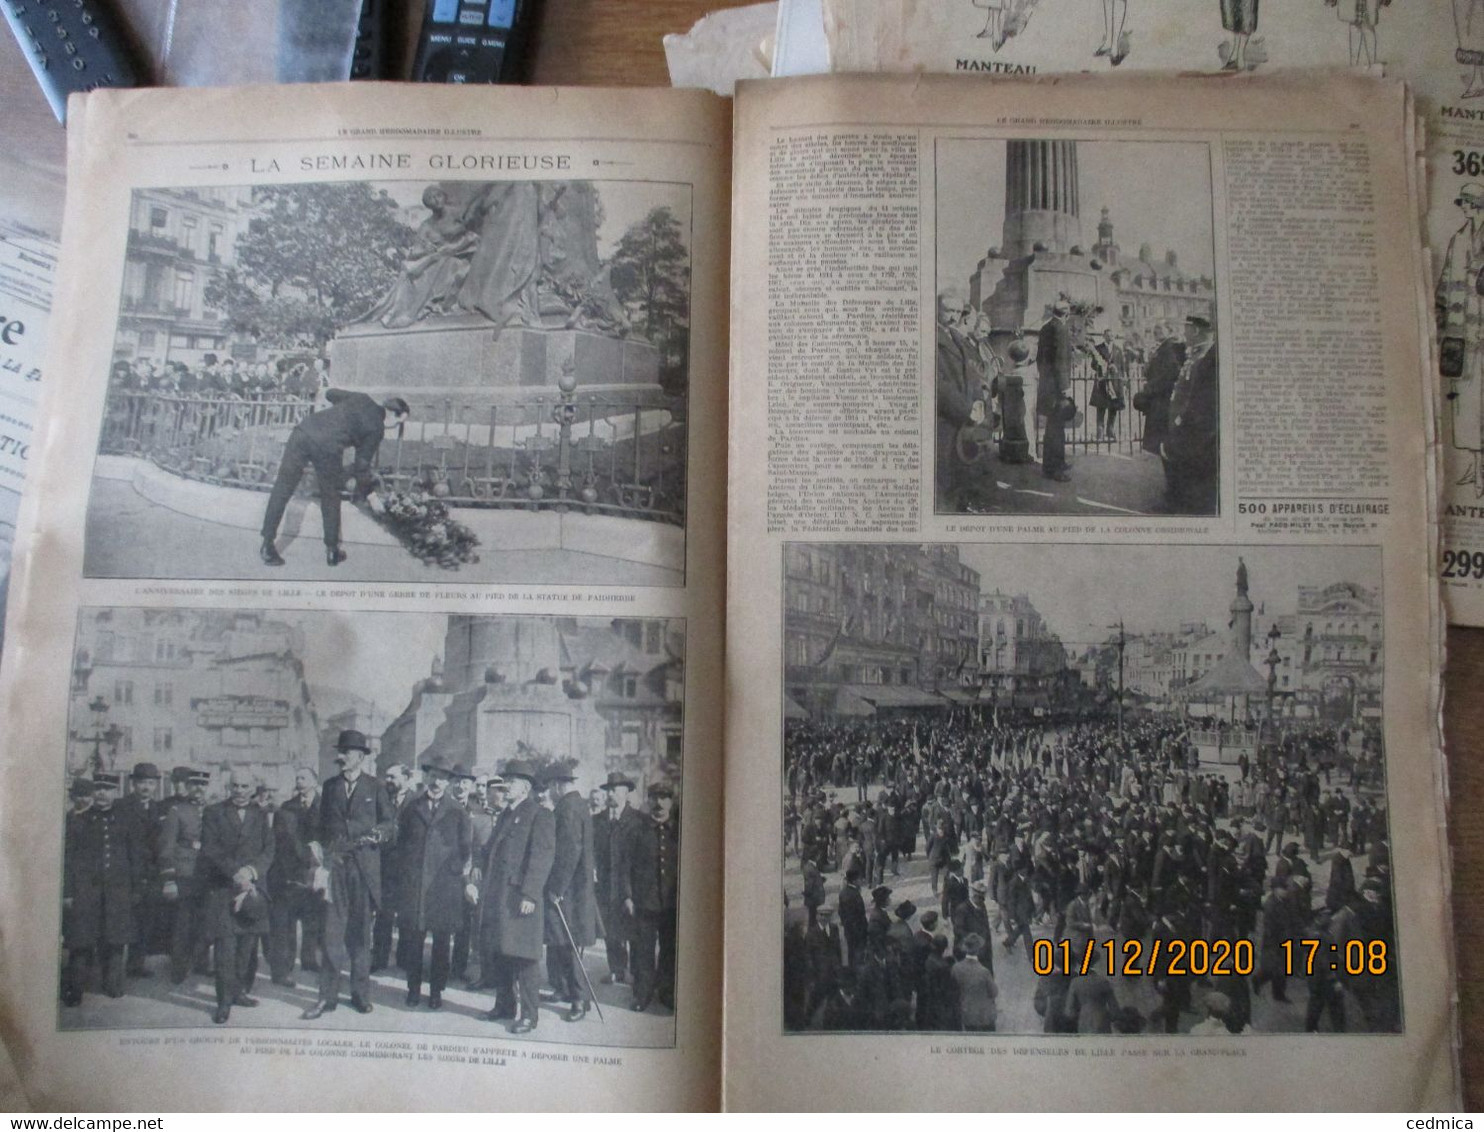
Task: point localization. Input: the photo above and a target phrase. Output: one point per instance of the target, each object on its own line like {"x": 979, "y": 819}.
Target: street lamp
{"x": 1273, "y": 660}
{"x": 1122, "y": 644}
{"x": 99, "y": 737}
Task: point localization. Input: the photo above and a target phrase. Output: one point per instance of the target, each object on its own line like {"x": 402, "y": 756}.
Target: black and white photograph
{"x": 1077, "y": 367}
{"x": 399, "y": 380}
{"x": 1085, "y": 790}
{"x": 410, "y": 823}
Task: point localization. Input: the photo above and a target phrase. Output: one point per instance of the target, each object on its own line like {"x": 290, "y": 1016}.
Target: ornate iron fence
{"x": 567, "y": 451}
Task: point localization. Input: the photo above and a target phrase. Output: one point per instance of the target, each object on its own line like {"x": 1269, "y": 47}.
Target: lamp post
{"x": 1273, "y": 660}
{"x": 99, "y": 737}
{"x": 1122, "y": 644}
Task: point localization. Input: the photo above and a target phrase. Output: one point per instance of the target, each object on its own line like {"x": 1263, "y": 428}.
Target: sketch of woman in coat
{"x": 1460, "y": 314}
{"x": 1362, "y": 16}
{"x": 1468, "y": 23}
{"x": 1239, "y": 17}
{"x": 1005, "y": 19}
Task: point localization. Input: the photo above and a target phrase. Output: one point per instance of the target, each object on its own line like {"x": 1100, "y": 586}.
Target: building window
{"x": 123, "y": 691}
{"x": 185, "y": 288}
{"x": 163, "y": 740}
{"x": 158, "y": 219}
{"x": 188, "y": 233}
{"x": 146, "y": 339}
{"x": 630, "y": 686}
{"x": 164, "y": 650}
{"x": 164, "y": 694}
{"x": 214, "y": 243}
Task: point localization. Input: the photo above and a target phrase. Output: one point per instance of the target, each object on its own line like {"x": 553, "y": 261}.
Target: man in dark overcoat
{"x": 482, "y": 808}
{"x": 612, "y": 835}
{"x": 1160, "y": 375}
{"x": 353, "y": 420}
{"x": 180, "y": 846}
{"x": 1192, "y": 447}
{"x": 570, "y": 889}
{"x": 355, "y": 820}
{"x": 652, "y": 888}
{"x": 152, "y": 918}
{"x": 102, "y": 868}
{"x": 1053, "y": 385}
{"x": 236, "y": 850}
{"x": 401, "y": 788}
{"x": 291, "y": 905}
{"x": 512, "y": 920}
{"x": 434, "y": 844}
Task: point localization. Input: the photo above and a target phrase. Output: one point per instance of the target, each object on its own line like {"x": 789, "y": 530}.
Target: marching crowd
{"x": 458, "y": 877}
{"x": 214, "y": 378}
{"x": 1093, "y": 832}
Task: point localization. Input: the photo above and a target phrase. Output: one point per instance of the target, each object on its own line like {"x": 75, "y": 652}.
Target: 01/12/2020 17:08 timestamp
{"x": 1201, "y": 957}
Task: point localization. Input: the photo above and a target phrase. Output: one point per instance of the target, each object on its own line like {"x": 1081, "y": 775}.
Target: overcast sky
{"x": 1157, "y": 192}
{"x": 624, "y": 202}
{"x": 378, "y": 656}
{"x": 1082, "y": 590}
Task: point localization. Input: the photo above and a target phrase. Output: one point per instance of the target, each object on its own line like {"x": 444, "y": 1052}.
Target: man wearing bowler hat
{"x": 651, "y": 885}
{"x": 355, "y": 820}
{"x": 512, "y": 919}
{"x": 613, "y": 833}
{"x": 151, "y": 918}
{"x": 570, "y": 887}
{"x": 433, "y": 843}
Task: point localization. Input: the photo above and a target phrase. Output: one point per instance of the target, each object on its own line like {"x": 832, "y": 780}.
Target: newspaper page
{"x": 1083, "y": 698}
{"x": 1437, "y": 46}
{"x": 28, "y": 261}
{"x": 364, "y": 641}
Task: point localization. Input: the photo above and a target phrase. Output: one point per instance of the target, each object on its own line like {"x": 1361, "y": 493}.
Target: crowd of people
{"x": 1089, "y": 833}
{"x": 438, "y": 872}
{"x": 217, "y": 378}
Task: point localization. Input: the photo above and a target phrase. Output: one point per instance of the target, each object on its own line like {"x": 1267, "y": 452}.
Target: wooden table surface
{"x": 617, "y": 43}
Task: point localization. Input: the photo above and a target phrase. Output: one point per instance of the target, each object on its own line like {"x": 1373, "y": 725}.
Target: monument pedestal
{"x": 444, "y": 357}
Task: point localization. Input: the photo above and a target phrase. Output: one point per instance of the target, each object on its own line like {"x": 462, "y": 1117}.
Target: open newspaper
{"x": 1437, "y": 46}
{"x": 380, "y": 525}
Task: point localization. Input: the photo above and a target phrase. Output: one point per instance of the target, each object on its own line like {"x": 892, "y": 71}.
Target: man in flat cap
{"x": 613, "y": 833}
{"x": 1192, "y": 447}
{"x": 355, "y": 820}
{"x": 180, "y": 846}
{"x": 649, "y": 893}
{"x": 102, "y": 870}
{"x": 434, "y": 845}
{"x": 236, "y": 850}
{"x": 352, "y": 420}
{"x": 511, "y": 902}
{"x": 570, "y": 887}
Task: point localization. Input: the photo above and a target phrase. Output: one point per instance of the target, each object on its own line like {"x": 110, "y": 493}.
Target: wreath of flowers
{"x": 422, "y": 524}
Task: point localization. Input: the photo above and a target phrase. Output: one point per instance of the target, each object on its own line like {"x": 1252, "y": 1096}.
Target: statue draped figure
{"x": 517, "y": 253}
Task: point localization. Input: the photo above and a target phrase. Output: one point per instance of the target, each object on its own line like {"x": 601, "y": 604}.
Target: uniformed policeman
{"x": 353, "y": 420}
{"x": 103, "y": 865}
{"x": 180, "y": 843}
{"x": 651, "y": 885}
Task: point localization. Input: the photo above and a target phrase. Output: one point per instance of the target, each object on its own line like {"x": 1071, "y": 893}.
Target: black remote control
{"x": 473, "y": 41}
{"x": 72, "y": 46}
{"x": 368, "y": 61}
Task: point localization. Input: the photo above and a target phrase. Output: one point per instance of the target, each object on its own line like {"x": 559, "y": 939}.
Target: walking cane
{"x": 556, "y": 902}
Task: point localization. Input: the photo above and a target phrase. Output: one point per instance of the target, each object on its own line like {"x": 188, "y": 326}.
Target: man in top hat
{"x": 352, "y": 420}
{"x": 1053, "y": 387}
{"x": 152, "y": 917}
{"x": 650, "y": 887}
{"x": 236, "y": 850}
{"x": 1192, "y": 447}
{"x": 180, "y": 846}
{"x": 613, "y": 833}
{"x": 102, "y": 870}
{"x": 511, "y": 902}
{"x": 434, "y": 845}
{"x": 570, "y": 888}
{"x": 355, "y": 820}
{"x": 291, "y": 905}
